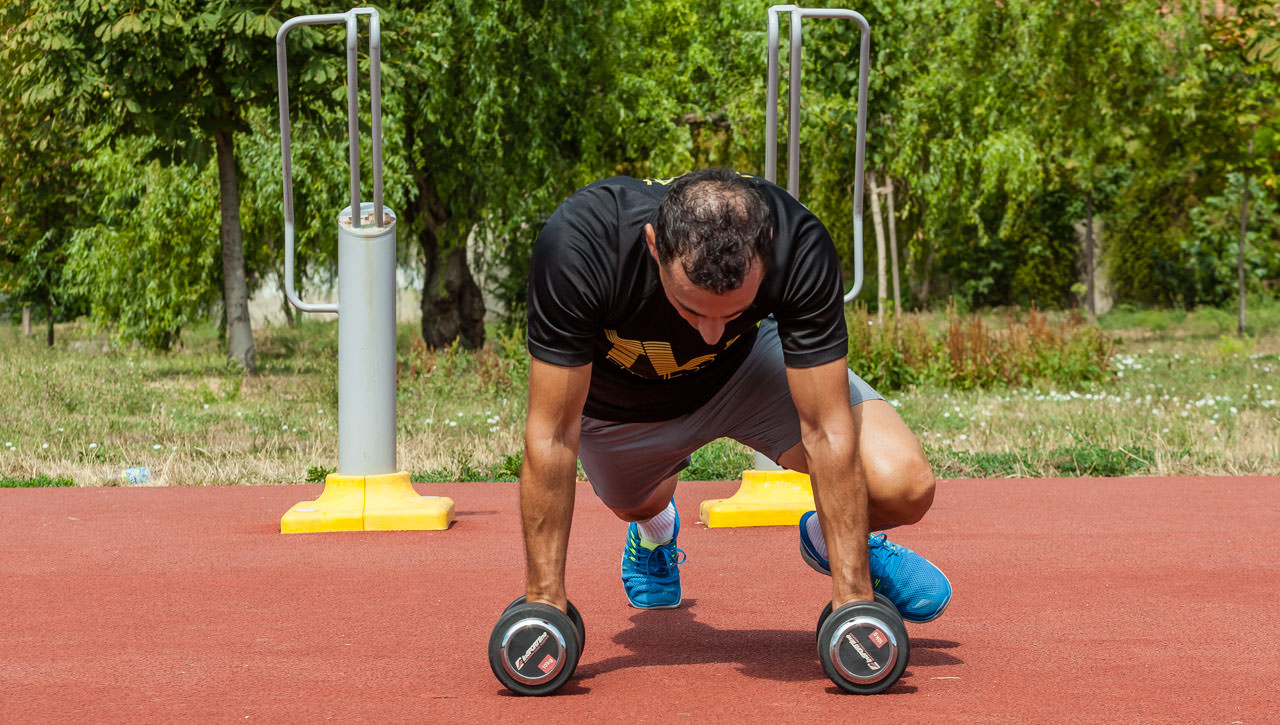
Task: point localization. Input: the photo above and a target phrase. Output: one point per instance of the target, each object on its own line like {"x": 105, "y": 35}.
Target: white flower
{"x": 93, "y": 445}
{"x": 156, "y": 447}
{"x": 45, "y": 445}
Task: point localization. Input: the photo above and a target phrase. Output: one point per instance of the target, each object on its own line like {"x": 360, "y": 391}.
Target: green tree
{"x": 39, "y": 192}
{"x": 178, "y": 71}
{"x": 507, "y": 107}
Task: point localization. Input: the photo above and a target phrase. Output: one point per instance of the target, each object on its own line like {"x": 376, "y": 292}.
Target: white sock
{"x": 660, "y": 528}
{"x": 814, "y": 529}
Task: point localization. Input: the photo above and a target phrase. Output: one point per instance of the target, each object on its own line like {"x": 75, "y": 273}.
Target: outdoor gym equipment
{"x": 368, "y": 492}
{"x": 769, "y": 495}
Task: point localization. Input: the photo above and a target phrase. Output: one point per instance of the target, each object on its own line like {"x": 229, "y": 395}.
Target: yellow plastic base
{"x": 765, "y": 498}
{"x": 369, "y": 503}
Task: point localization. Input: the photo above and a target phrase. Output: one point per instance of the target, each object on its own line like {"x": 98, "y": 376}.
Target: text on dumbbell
{"x": 857, "y": 647}
{"x": 542, "y": 638}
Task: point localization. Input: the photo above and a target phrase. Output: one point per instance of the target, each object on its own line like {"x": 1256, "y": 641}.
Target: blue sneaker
{"x": 919, "y": 590}
{"x": 651, "y": 577}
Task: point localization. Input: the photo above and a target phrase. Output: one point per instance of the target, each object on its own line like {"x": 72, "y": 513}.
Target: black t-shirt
{"x": 595, "y": 297}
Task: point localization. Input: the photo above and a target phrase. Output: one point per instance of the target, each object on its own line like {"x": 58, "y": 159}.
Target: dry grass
{"x": 1170, "y": 404}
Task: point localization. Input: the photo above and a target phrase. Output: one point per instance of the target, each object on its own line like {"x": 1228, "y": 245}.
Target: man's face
{"x": 704, "y": 310}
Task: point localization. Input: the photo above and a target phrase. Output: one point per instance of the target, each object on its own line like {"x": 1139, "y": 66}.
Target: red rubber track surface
{"x": 1112, "y": 600}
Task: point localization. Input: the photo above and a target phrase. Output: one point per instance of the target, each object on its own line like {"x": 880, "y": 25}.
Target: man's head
{"x": 712, "y": 241}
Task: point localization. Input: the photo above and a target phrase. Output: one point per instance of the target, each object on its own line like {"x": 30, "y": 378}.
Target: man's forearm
{"x": 546, "y": 510}
{"x": 840, "y": 491}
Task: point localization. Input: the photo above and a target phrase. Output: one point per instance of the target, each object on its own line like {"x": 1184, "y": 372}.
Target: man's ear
{"x": 651, "y": 241}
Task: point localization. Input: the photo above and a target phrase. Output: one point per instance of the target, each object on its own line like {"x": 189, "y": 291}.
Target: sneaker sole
{"x": 661, "y": 606}
{"x": 812, "y": 560}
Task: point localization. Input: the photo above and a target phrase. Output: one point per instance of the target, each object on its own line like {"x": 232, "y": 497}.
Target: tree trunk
{"x": 49, "y": 324}
{"x": 1089, "y": 255}
{"x": 1244, "y": 229}
{"x": 926, "y": 283}
{"x": 452, "y": 304}
{"x": 893, "y": 249}
{"x": 26, "y": 320}
{"x": 235, "y": 289}
{"x": 877, "y": 221}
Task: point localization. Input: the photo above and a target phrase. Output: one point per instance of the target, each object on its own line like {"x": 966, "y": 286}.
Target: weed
{"x": 1232, "y": 346}
{"x": 36, "y": 482}
{"x": 317, "y": 474}
{"x": 970, "y": 353}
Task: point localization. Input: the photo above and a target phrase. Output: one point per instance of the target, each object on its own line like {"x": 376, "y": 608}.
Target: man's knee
{"x": 655, "y": 504}
{"x": 901, "y": 487}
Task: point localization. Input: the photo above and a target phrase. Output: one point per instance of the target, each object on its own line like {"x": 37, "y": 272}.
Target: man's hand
{"x": 547, "y": 476}
{"x": 821, "y": 396}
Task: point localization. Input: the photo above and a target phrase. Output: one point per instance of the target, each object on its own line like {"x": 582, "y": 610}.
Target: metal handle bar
{"x": 353, "y": 129}
{"x": 793, "y": 107}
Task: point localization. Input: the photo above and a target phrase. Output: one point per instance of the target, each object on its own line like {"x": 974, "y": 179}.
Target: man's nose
{"x": 711, "y": 331}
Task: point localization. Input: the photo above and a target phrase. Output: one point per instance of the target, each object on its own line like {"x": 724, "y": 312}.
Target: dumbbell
{"x": 574, "y": 616}
{"x": 863, "y": 646}
{"x": 534, "y": 648}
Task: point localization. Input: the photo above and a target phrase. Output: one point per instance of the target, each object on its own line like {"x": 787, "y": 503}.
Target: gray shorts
{"x": 625, "y": 462}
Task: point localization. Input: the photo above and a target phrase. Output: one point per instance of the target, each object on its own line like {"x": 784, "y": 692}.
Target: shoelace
{"x": 881, "y": 541}
{"x": 670, "y": 556}
{"x": 657, "y": 559}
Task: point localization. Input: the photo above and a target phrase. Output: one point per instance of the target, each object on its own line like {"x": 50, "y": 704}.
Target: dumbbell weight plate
{"x": 863, "y": 647}
{"x": 533, "y": 649}
{"x": 826, "y": 611}
{"x": 574, "y": 616}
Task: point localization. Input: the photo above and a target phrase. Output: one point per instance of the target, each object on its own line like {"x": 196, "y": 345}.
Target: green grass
{"x": 37, "y": 482}
{"x": 1187, "y": 398}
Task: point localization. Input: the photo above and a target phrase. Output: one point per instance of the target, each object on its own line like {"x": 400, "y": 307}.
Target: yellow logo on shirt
{"x": 663, "y": 359}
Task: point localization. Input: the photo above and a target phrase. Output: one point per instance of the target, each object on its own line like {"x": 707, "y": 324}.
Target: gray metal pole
{"x": 771, "y": 105}
{"x": 793, "y": 105}
{"x": 367, "y": 344}
{"x": 793, "y": 142}
{"x": 366, "y": 268}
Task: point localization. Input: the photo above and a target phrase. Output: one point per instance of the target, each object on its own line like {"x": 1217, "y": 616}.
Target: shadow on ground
{"x": 676, "y": 637}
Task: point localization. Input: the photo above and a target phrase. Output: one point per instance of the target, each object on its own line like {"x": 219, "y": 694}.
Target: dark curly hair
{"x": 715, "y": 221}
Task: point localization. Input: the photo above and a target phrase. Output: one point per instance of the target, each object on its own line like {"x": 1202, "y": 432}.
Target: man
{"x": 664, "y": 314}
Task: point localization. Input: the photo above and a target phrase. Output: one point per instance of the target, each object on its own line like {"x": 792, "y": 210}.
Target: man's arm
{"x": 821, "y": 396}
{"x": 556, "y": 397}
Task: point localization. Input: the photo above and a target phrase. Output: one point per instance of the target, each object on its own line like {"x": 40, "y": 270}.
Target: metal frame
{"x": 348, "y": 18}
{"x": 793, "y": 108}
{"x": 366, "y": 267}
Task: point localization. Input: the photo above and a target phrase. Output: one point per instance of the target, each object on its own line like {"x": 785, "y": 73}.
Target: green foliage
{"x": 970, "y": 353}
{"x": 998, "y": 123}
{"x": 317, "y": 474}
{"x": 1212, "y": 249}
{"x": 720, "y": 460}
{"x": 465, "y": 469}
{"x": 1082, "y": 459}
{"x": 35, "y": 482}
{"x": 146, "y": 266}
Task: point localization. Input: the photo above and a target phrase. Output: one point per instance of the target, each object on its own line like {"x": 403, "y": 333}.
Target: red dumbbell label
{"x": 547, "y": 664}
{"x": 877, "y": 638}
